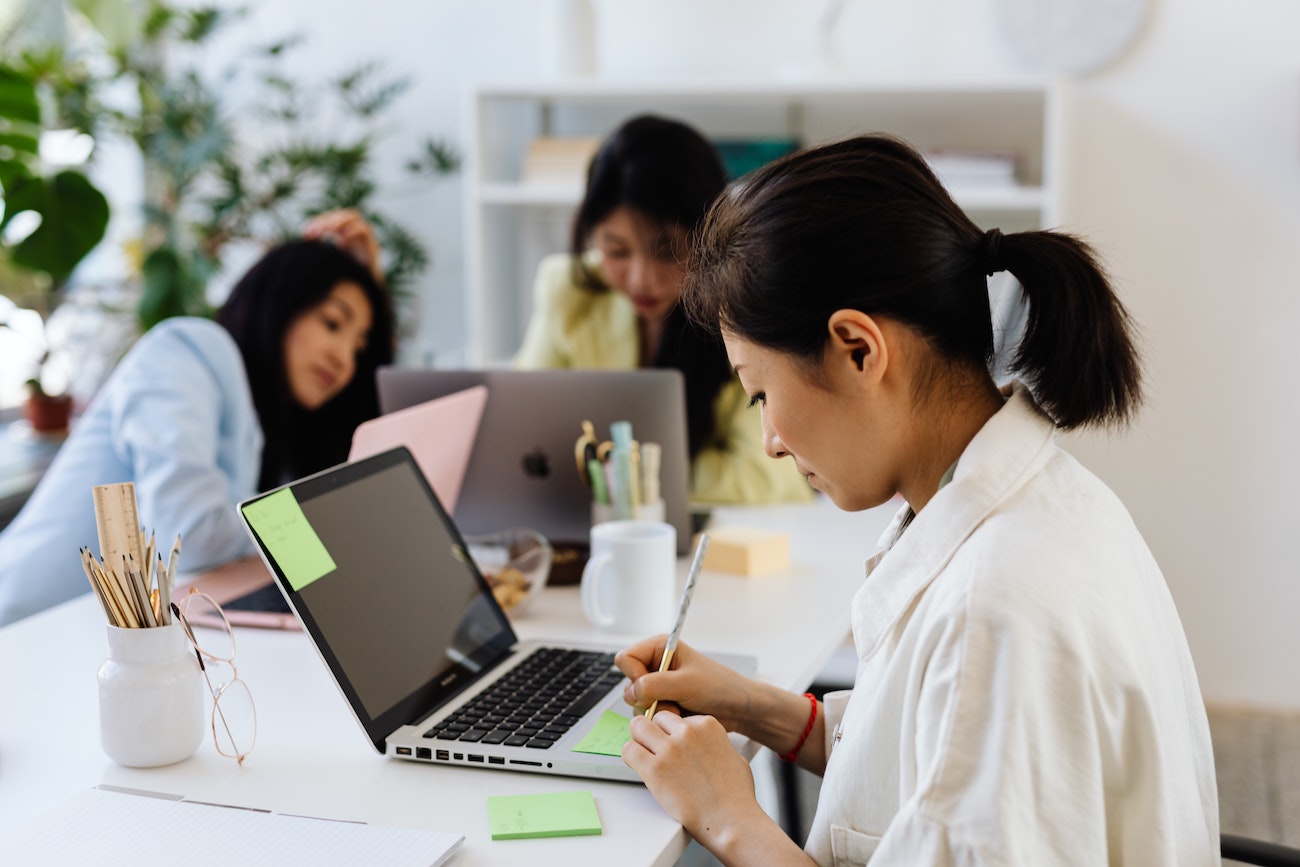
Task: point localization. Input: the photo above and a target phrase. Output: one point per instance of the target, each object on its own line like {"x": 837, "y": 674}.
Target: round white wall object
{"x": 1071, "y": 35}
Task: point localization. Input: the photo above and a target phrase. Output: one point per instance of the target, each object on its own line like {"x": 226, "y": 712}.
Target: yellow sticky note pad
{"x": 607, "y": 737}
{"x": 284, "y": 530}
{"x": 556, "y": 814}
{"x": 746, "y": 551}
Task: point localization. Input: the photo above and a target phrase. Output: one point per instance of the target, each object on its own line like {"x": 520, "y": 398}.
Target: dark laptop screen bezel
{"x": 442, "y": 685}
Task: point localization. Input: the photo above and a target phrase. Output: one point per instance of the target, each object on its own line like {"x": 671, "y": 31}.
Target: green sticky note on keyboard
{"x": 607, "y": 737}
{"x": 558, "y": 814}
{"x": 290, "y": 539}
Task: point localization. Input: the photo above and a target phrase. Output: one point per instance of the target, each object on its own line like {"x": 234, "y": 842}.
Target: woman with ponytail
{"x": 1024, "y": 693}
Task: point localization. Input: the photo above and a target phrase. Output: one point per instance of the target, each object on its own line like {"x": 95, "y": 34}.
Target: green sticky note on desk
{"x": 607, "y": 737}
{"x": 558, "y": 814}
{"x": 294, "y": 545}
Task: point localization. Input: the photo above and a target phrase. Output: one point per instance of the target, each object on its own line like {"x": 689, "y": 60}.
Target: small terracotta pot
{"x": 48, "y": 413}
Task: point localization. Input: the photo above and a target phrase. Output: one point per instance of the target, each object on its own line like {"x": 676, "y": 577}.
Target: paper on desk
{"x": 557, "y": 814}
{"x": 106, "y": 827}
{"x": 607, "y": 737}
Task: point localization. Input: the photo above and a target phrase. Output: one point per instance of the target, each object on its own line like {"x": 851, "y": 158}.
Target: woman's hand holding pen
{"x": 774, "y": 717}
{"x": 695, "y": 683}
{"x": 688, "y": 763}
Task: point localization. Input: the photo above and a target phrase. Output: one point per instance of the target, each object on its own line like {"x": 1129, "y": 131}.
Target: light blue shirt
{"x": 176, "y": 418}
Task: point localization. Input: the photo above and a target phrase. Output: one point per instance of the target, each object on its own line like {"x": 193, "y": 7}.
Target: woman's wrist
{"x": 776, "y": 718}
{"x": 753, "y": 839}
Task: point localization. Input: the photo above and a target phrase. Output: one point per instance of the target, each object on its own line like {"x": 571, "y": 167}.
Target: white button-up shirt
{"x": 1025, "y": 695}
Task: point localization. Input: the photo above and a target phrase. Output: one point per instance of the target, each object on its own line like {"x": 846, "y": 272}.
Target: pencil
{"x": 94, "y": 585}
{"x": 117, "y": 595}
{"x": 599, "y": 490}
{"x": 141, "y": 592}
{"x": 164, "y": 592}
{"x": 634, "y": 478}
{"x": 687, "y": 592}
{"x": 650, "y": 458}
{"x": 172, "y": 559}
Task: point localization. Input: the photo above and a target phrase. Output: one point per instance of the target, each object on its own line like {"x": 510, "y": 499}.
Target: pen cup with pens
{"x": 151, "y": 700}
{"x": 622, "y": 474}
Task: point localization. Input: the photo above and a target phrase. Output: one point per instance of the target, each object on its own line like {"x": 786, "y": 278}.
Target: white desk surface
{"x": 312, "y": 758}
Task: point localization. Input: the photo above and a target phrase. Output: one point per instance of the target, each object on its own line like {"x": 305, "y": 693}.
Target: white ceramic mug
{"x": 630, "y": 581}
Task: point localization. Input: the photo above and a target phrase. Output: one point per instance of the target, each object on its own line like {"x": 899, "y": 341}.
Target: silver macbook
{"x": 522, "y": 472}
{"x": 378, "y": 575}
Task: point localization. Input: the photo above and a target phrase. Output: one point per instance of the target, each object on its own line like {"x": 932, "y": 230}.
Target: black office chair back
{"x": 1246, "y": 850}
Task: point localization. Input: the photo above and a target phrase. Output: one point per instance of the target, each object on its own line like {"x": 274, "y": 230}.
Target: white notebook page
{"x": 102, "y": 826}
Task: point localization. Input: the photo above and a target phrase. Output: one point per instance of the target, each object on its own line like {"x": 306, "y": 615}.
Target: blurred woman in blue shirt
{"x": 202, "y": 414}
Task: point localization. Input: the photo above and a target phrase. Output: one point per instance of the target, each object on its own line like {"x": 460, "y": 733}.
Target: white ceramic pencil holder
{"x": 151, "y": 697}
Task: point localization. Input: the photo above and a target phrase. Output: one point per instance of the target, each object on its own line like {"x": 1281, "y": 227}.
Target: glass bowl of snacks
{"x": 516, "y": 563}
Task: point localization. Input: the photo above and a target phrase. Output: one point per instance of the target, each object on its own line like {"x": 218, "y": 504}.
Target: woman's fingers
{"x": 691, "y": 767}
{"x": 350, "y": 231}
{"x": 642, "y": 657}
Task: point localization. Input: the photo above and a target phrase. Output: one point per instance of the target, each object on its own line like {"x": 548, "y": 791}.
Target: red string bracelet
{"x": 807, "y": 730}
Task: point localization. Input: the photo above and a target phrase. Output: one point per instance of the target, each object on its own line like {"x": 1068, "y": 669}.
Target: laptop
{"x": 440, "y": 434}
{"x": 522, "y": 472}
{"x": 378, "y": 575}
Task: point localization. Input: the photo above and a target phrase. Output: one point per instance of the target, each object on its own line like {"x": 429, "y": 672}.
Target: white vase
{"x": 151, "y": 697}
{"x": 566, "y": 39}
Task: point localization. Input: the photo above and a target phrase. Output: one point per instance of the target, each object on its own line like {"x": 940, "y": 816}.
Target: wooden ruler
{"x": 118, "y": 523}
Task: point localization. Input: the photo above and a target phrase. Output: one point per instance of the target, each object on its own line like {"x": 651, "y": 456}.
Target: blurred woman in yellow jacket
{"x": 612, "y": 302}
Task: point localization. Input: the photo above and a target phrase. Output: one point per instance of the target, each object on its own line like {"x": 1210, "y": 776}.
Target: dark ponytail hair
{"x": 284, "y": 284}
{"x": 668, "y": 174}
{"x": 865, "y": 224}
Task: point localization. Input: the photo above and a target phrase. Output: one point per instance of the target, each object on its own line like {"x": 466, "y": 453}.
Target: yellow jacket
{"x": 574, "y": 327}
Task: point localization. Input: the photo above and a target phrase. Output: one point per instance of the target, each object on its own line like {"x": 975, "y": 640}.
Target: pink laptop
{"x": 439, "y": 433}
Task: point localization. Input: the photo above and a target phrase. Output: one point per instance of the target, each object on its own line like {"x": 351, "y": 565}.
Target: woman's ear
{"x": 857, "y": 345}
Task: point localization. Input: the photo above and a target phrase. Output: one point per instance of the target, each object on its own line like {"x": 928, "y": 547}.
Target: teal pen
{"x": 621, "y": 456}
{"x": 596, "y": 472}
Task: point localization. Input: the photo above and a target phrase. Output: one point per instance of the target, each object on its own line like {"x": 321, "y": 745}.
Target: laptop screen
{"x": 521, "y": 472}
{"x": 379, "y": 577}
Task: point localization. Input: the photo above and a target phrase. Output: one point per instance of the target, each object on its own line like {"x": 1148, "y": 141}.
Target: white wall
{"x": 1185, "y": 168}
{"x": 1182, "y": 164}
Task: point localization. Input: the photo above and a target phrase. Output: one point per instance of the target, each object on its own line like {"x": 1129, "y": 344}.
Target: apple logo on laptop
{"x": 536, "y": 464}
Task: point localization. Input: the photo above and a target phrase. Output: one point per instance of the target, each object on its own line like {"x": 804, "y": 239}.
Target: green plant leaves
{"x": 118, "y": 21}
{"x": 173, "y": 285}
{"x": 18, "y": 97}
{"x": 20, "y": 117}
{"x": 74, "y": 216}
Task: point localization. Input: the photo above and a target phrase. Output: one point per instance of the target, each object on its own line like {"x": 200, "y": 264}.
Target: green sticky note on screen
{"x": 607, "y": 737}
{"x": 558, "y": 814}
{"x": 291, "y": 541}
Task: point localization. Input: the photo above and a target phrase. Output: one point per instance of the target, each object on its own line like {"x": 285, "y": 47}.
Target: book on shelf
{"x": 558, "y": 161}
{"x": 974, "y": 168}
{"x": 740, "y": 156}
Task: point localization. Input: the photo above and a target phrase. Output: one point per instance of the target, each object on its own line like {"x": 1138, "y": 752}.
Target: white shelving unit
{"x": 510, "y": 225}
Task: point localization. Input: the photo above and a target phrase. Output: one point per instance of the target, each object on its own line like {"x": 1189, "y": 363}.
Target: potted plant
{"x": 205, "y": 186}
{"x": 51, "y": 219}
{"x": 46, "y": 413}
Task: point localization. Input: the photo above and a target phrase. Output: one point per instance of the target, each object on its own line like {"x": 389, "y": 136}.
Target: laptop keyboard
{"x": 536, "y": 703}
